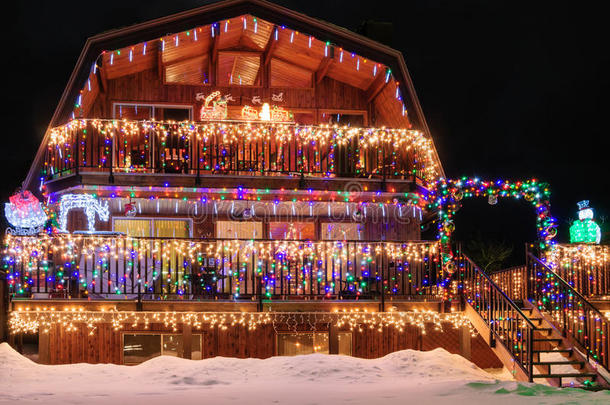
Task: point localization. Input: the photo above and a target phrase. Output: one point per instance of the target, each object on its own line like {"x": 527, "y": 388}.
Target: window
{"x": 351, "y": 120}
{"x": 144, "y": 111}
{"x": 138, "y": 348}
{"x": 294, "y": 344}
{"x": 173, "y": 346}
{"x": 341, "y": 231}
{"x": 292, "y": 230}
{"x": 133, "y": 227}
{"x": 239, "y": 229}
{"x": 161, "y": 228}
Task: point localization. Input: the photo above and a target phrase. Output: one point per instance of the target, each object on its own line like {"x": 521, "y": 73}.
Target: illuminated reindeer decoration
{"x": 88, "y": 203}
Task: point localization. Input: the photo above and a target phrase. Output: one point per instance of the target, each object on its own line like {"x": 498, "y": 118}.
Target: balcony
{"x": 111, "y": 267}
{"x": 237, "y": 148}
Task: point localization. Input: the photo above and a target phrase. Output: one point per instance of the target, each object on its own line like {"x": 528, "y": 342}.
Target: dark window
{"x": 139, "y": 348}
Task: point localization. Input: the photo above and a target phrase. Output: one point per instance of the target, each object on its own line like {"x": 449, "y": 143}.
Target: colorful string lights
{"x": 447, "y": 196}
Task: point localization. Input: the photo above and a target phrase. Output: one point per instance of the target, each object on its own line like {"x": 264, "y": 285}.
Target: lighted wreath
{"x": 447, "y": 195}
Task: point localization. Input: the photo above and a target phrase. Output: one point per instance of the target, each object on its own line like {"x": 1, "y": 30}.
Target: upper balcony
{"x": 183, "y": 153}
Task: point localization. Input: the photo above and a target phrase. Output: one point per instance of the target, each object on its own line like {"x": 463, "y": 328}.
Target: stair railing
{"x": 577, "y": 318}
{"x": 507, "y": 324}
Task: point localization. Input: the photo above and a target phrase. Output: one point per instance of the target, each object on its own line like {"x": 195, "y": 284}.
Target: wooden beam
{"x": 160, "y": 71}
{"x": 270, "y": 48}
{"x": 375, "y": 87}
{"x": 325, "y": 64}
{"x": 102, "y": 79}
{"x": 214, "y": 48}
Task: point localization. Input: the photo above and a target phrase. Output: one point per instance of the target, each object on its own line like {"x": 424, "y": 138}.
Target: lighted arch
{"x": 447, "y": 196}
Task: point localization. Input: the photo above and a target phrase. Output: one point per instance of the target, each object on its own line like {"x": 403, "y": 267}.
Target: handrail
{"x": 506, "y": 322}
{"x": 152, "y": 267}
{"x": 248, "y": 148}
{"x": 506, "y": 270}
{"x": 576, "y": 316}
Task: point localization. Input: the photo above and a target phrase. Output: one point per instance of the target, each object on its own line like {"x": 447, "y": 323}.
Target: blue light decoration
{"x": 447, "y": 195}
{"x": 585, "y": 229}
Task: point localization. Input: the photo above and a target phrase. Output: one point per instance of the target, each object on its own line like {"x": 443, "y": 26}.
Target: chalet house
{"x": 244, "y": 180}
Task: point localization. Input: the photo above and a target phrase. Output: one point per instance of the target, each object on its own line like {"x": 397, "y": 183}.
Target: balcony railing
{"x": 108, "y": 267}
{"x": 238, "y": 148}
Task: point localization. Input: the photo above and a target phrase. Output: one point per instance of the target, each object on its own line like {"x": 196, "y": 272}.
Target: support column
{"x": 44, "y": 355}
{"x": 333, "y": 339}
{"x": 465, "y": 343}
{"x": 187, "y": 341}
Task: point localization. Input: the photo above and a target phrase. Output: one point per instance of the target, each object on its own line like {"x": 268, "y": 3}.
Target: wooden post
{"x": 333, "y": 339}
{"x": 465, "y": 343}
{"x": 3, "y": 310}
{"x": 44, "y": 356}
{"x": 187, "y": 340}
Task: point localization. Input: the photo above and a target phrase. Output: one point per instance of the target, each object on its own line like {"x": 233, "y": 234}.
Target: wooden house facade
{"x": 235, "y": 180}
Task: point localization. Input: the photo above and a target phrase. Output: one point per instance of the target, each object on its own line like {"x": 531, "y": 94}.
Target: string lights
{"x": 43, "y": 320}
{"x": 120, "y": 264}
{"x": 447, "y": 195}
{"x": 88, "y": 203}
{"x": 25, "y": 213}
{"x": 176, "y": 40}
{"x": 389, "y": 144}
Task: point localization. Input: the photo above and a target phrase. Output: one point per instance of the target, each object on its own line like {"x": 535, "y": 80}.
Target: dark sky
{"x": 510, "y": 89}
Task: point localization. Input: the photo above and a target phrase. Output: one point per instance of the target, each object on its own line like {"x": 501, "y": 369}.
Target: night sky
{"x": 510, "y": 89}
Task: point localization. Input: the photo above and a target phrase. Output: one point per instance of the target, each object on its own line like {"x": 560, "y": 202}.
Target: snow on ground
{"x": 405, "y": 377}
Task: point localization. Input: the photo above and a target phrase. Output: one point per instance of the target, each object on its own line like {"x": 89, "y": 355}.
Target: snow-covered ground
{"x": 405, "y": 377}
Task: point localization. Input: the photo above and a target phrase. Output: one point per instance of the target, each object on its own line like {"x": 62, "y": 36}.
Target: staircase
{"x": 540, "y": 337}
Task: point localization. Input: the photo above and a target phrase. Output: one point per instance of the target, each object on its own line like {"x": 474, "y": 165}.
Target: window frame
{"x": 116, "y": 104}
{"x": 152, "y": 221}
{"x": 285, "y": 332}
{"x": 161, "y": 334}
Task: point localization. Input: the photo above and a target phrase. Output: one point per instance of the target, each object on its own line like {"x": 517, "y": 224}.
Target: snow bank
{"x": 399, "y": 378}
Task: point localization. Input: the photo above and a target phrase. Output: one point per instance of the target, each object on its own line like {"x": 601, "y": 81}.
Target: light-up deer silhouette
{"x": 88, "y": 203}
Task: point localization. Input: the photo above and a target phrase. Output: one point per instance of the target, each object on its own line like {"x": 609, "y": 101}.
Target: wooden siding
{"x": 104, "y": 344}
{"x": 373, "y": 230}
{"x": 145, "y": 87}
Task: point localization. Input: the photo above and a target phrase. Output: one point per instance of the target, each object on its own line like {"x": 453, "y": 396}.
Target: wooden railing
{"x": 584, "y": 267}
{"x": 576, "y": 317}
{"x": 152, "y": 268}
{"x": 512, "y": 281}
{"x": 237, "y": 148}
{"x": 507, "y": 324}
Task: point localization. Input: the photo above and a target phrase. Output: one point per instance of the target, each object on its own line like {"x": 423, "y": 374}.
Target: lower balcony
{"x": 111, "y": 267}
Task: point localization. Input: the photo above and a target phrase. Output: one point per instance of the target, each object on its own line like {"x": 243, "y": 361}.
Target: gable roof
{"x": 209, "y": 14}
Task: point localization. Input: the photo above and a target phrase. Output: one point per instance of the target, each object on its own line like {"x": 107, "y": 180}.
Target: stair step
{"x": 557, "y": 362}
{"x": 552, "y": 351}
{"x": 567, "y": 375}
{"x": 547, "y": 339}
